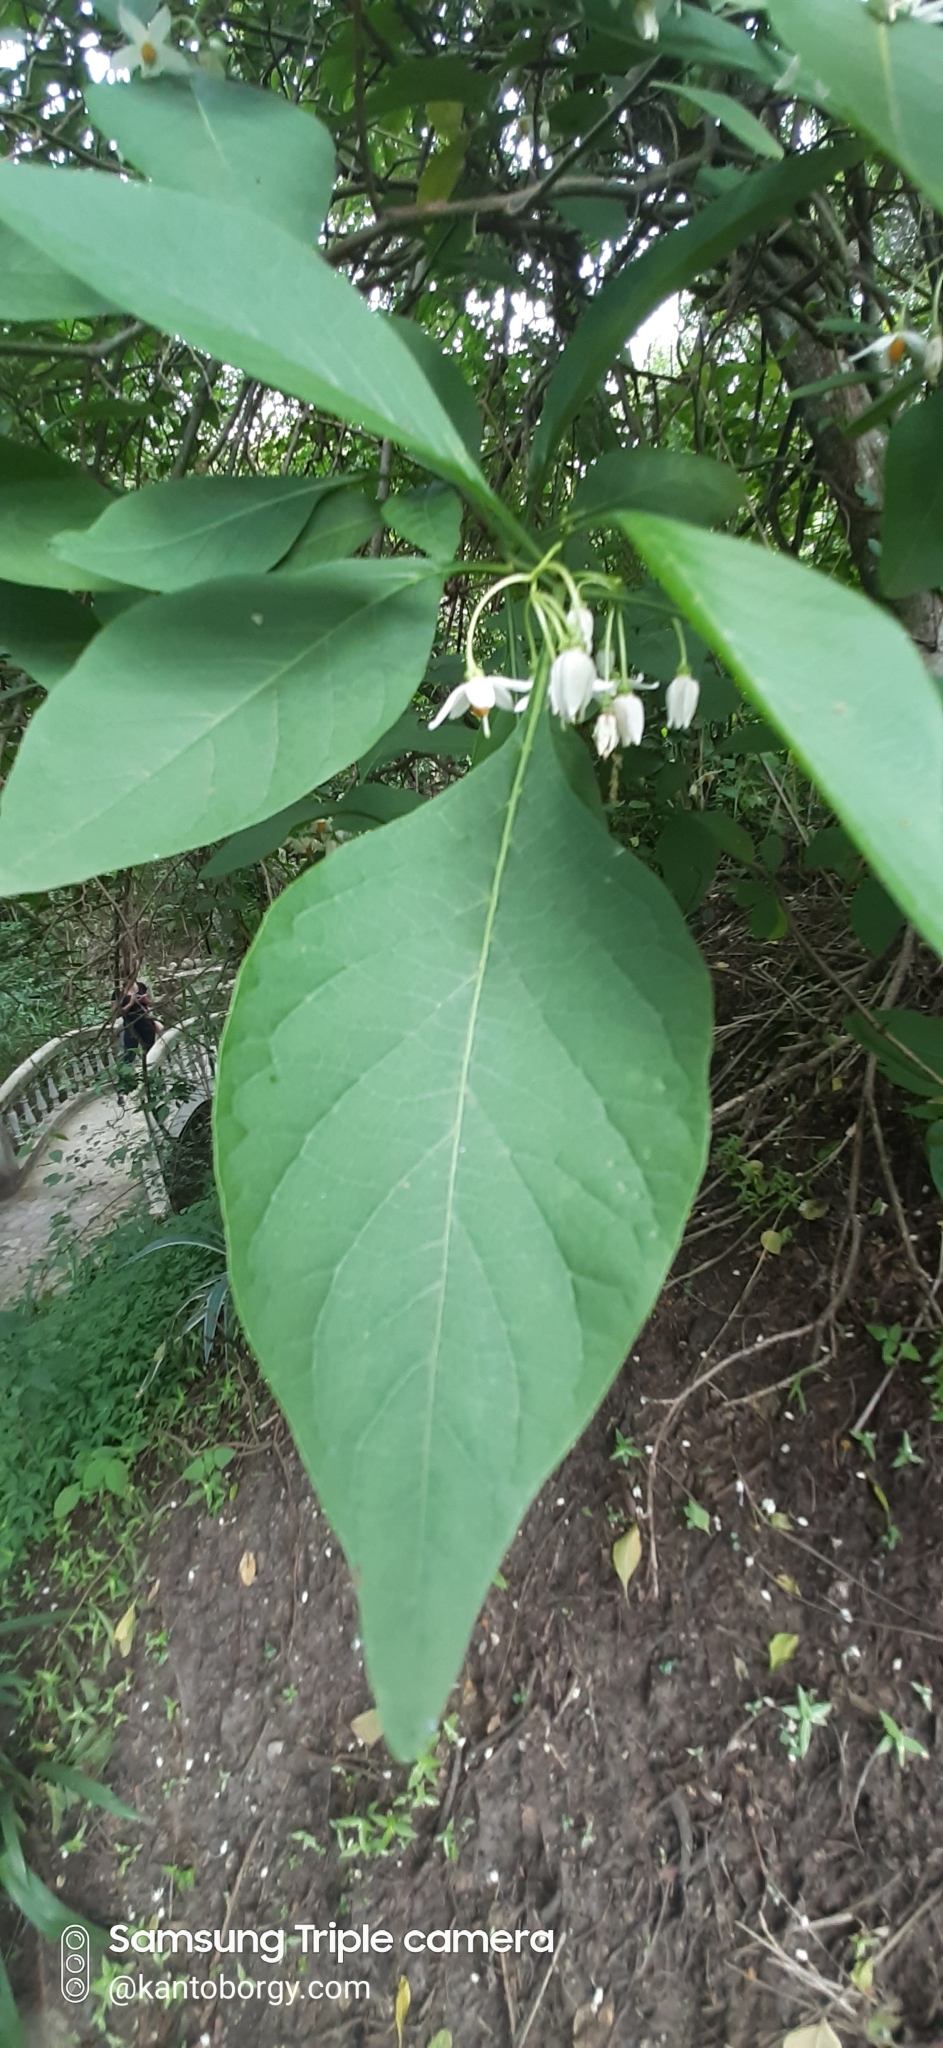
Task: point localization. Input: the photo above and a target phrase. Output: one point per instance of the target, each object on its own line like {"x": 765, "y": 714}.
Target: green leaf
{"x": 731, "y": 837}
{"x": 430, "y": 519}
{"x": 28, "y": 1893}
{"x": 696, "y": 1517}
{"x": 912, "y": 525}
{"x": 88, "y": 1789}
{"x": 874, "y": 917}
{"x": 648, "y": 480}
{"x": 618, "y": 310}
{"x": 885, "y": 77}
{"x": 43, "y": 632}
{"x": 690, "y": 33}
{"x": 234, "y": 143}
{"x": 934, "y": 1136}
{"x": 442, "y": 373}
{"x": 32, "y": 512}
{"x": 420, "y": 79}
{"x": 411, "y": 735}
{"x": 243, "y": 289}
{"x": 731, "y": 115}
{"x": 12, "y": 2031}
{"x": 687, "y": 856}
{"x": 841, "y": 681}
{"x": 893, "y": 1036}
{"x": 243, "y": 849}
{"x": 339, "y": 525}
{"x": 65, "y": 1502}
{"x": 781, "y": 1649}
{"x": 461, "y": 1112}
{"x": 246, "y": 694}
{"x": 194, "y": 529}
{"x": 595, "y": 220}
{"x": 34, "y": 288}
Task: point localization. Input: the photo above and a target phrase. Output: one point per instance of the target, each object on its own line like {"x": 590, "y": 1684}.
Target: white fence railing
{"x": 57, "y": 1073}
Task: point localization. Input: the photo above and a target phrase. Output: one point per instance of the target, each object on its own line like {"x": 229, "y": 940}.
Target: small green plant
{"x": 801, "y": 1719}
{"x": 933, "y": 1379}
{"x": 897, "y": 1743}
{"x": 626, "y": 1450}
{"x": 205, "y": 1474}
{"x": 894, "y": 1345}
{"x": 379, "y": 1831}
{"x": 906, "y": 1455}
{"x": 696, "y": 1517}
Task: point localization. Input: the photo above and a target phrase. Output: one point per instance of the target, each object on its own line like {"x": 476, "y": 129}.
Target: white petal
{"x": 629, "y": 714}
{"x": 606, "y": 735}
{"x": 126, "y": 58}
{"x": 171, "y": 59}
{"x": 158, "y": 28}
{"x": 130, "y": 25}
{"x": 455, "y": 705}
{"x": 572, "y": 684}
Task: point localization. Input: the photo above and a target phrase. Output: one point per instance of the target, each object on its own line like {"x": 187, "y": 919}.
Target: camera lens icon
{"x": 75, "y": 1964}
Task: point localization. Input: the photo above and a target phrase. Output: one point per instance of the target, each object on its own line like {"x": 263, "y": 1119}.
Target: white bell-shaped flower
{"x": 147, "y": 49}
{"x": 681, "y": 699}
{"x": 482, "y": 694}
{"x": 629, "y": 714}
{"x": 573, "y": 682}
{"x": 606, "y": 735}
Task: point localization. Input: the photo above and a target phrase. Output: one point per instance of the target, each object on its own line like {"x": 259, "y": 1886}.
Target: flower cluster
{"x": 577, "y": 682}
{"x": 890, "y": 349}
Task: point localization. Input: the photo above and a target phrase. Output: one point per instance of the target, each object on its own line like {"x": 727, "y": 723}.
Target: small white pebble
{"x": 206, "y": 1756}
{"x": 802, "y": 1955}
{"x": 785, "y": 1450}
{"x": 768, "y": 1506}
{"x": 475, "y": 1977}
{"x": 188, "y": 1766}
{"x": 898, "y": 1664}
{"x": 748, "y": 1562}
{"x": 685, "y": 1443}
{"x": 488, "y": 1755}
{"x": 304, "y": 1597}
{"x": 846, "y": 1614}
{"x": 764, "y": 1595}
{"x": 327, "y": 1552}
{"x": 803, "y": 1521}
{"x": 493, "y": 1877}
{"x": 223, "y": 1848}
{"x": 159, "y": 1761}
{"x": 560, "y": 1501}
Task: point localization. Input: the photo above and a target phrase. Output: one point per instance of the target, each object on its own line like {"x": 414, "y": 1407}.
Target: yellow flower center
{"x": 897, "y": 349}
{"x": 148, "y": 53}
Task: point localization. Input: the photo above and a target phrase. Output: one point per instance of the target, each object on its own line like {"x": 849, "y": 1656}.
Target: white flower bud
{"x": 681, "y": 700}
{"x": 629, "y": 714}
{"x": 933, "y": 357}
{"x": 646, "y": 21}
{"x": 573, "y": 682}
{"x": 606, "y": 735}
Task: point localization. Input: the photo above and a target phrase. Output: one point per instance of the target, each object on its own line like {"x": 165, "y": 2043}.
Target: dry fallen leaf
{"x": 772, "y": 1241}
{"x": 821, "y": 2035}
{"x": 442, "y": 2039}
{"x": 401, "y": 2008}
{"x": 627, "y": 1555}
{"x": 124, "y": 1630}
{"x": 742, "y": 1670}
{"x": 247, "y": 1567}
{"x": 788, "y": 1585}
{"x": 593, "y": 2024}
{"x": 152, "y": 1595}
{"x": 367, "y": 1727}
{"x": 781, "y": 1648}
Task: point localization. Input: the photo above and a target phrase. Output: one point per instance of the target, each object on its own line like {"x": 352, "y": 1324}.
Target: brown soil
{"x": 621, "y": 1781}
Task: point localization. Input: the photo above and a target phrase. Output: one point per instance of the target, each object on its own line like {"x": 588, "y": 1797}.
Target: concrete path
{"x": 98, "y": 1165}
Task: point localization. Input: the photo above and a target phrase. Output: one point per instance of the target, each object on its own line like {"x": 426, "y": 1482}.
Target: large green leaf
{"x": 340, "y": 524}
{"x": 907, "y": 1046}
{"x": 686, "y": 32}
{"x": 234, "y": 143}
{"x": 34, "y": 288}
{"x": 460, "y": 1117}
{"x": 420, "y": 79}
{"x": 43, "y": 631}
{"x": 31, "y": 515}
{"x": 912, "y": 525}
{"x": 886, "y": 77}
{"x": 249, "y": 293}
{"x": 839, "y": 679}
{"x": 613, "y": 316}
{"x": 651, "y": 480}
{"x": 193, "y": 529}
{"x": 732, "y": 115}
{"x": 195, "y": 714}
{"x": 362, "y": 808}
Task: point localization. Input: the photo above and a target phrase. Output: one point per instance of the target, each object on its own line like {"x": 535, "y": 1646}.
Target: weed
{"x": 626, "y": 1449}
{"x": 801, "y": 1719}
{"x": 897, "y": 1743}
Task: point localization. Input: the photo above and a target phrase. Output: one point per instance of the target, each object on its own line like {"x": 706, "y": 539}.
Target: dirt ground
{"x": 620, "y": 1783}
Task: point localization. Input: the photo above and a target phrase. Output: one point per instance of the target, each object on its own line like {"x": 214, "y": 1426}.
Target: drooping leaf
{"x": 732, "y": 115}
{"x": 243, "y": 849}
{"x": 341, "y": 522}
{"x": 841, "y": 681}
{"x": 89, "y": 1789}
{"x": 430, "y": 519}
{"x": 885, "y": 77}
{"x": 243, "y": 289}
{"x": 442, "y": 372}
{"x": 912, "y": 522}
{"x": 32, "y": 512}
{"x": 523, "y": 1096}
{"x": 781, "y": 1649}
{"x": 43, "y": 631}
{"x": 13, "y": 2030}
{"x": 247, "y": 693}
{"x": 619, "y": 309}
{"x": 194, "y": 529}
{"x": 908, "y": 1047}
{"x": 874, "y": 917}
{"x": 237, "y": 144}
{"x": 650, "y": 480}
{"x": 687, "y": 32}
{"x": 32, "y": 287}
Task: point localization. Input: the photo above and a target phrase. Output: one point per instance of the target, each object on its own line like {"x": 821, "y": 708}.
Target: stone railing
{"x": 62, "y": 1071}
{"x": 181, "y": 1073}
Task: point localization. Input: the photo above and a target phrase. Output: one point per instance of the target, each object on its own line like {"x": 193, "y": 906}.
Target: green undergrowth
{"x": 99, "y": 1379}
